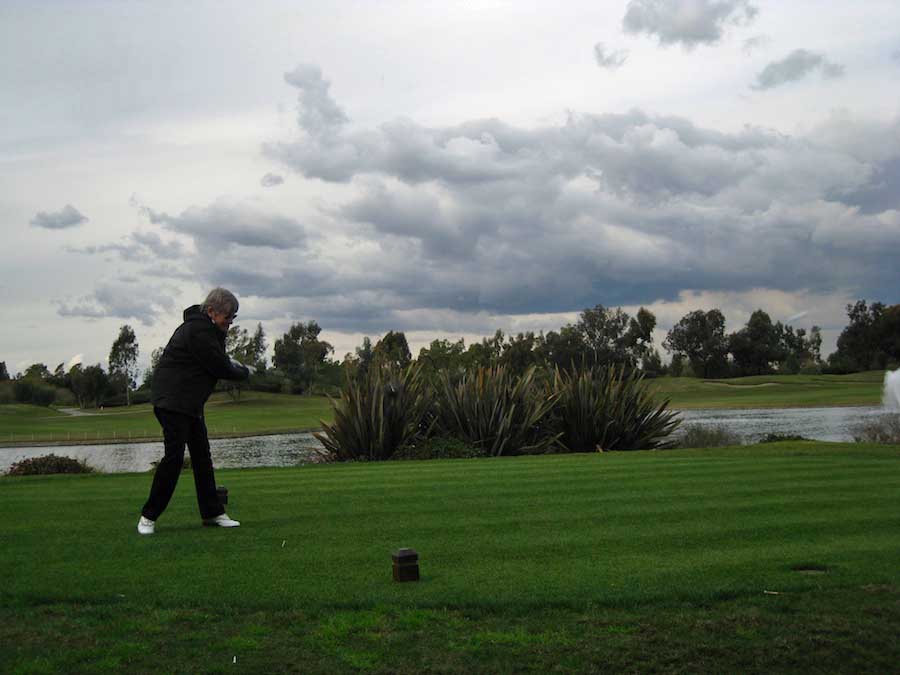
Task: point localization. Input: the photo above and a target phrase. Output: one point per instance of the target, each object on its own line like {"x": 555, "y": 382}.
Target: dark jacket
{"x": 191, "y": 364}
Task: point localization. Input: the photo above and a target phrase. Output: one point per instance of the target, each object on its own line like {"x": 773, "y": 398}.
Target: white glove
{"x": 237, "y": 364}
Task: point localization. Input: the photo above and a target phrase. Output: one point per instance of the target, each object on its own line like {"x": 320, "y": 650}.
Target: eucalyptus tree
{"x": 123, "y": 356}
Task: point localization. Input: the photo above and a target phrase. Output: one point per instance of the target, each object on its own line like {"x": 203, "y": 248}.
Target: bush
{"x": 884, "y": 429}
{"x": 779, "y": 438}
{"x": 23, "y": 390}
{"x": 496, "y": 412}
{"x": 438, "y": 447}
{"x": 34, "y": 392}
{"x": 48, "y": 464}
{"x": 602, "y": 408}
{"x": 319, "y": 389}
{"x": 65, "y": 397}
{"x": 43, "y": 395}
{"x": 376, "y": 414}
{"x": 702, "y": 436}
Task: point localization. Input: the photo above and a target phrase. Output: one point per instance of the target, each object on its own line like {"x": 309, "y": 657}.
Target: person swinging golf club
{"x": 187, "y": 372}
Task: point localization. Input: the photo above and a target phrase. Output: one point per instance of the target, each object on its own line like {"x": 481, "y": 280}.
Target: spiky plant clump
{"x": 493, "y": 410}
{"x": 384, "y": 409}
{"x": 604, "y": 408}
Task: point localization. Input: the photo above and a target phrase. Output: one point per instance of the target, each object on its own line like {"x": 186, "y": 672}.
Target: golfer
{"x": 187, "y": 372}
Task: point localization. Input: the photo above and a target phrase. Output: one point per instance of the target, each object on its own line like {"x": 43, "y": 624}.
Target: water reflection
{"x": 822, "y": 424}
{"x": 825, "y": 424}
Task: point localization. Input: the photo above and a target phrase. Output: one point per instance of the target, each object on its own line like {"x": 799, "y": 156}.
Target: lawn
{"x": 255, "y": 413}
{"x": 767, "y": 558}
{"x": 773, "y": 391}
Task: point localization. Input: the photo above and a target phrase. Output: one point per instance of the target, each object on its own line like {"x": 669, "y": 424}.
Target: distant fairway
{"x": 773, "y": 391}
{"x": 746, "y": 559}
{"x": 255, "y": 413}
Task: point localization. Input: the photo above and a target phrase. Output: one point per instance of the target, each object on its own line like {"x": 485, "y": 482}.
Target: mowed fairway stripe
{"x": 611, "y": 529}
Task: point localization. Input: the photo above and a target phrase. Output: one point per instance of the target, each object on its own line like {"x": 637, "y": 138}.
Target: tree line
{"x": 302, "y": 362}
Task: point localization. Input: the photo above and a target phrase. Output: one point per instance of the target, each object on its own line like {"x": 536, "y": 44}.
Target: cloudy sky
{"x": 441, "y": 168}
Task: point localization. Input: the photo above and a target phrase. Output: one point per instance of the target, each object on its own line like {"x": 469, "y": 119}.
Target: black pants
{"x": 179, "y": 429}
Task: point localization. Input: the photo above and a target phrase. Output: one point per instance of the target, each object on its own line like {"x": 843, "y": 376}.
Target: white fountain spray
{"x": 891, "y": 397}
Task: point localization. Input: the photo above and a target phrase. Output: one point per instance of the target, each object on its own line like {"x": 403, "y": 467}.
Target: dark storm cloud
{"x": 686, "y": 22}
{"x": 880, "y": 193}
{"x": 223, "y": 224}
{"x": 271, "y": 180}
{"x": 485, "y": 217}
{"x": 611, "y": 60}
{"x": 795, "y": 66}
{"x": 121, "y": 299}
{"x": 66, "y": 217}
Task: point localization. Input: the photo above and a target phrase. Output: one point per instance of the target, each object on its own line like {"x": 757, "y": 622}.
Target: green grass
{"x": 773, "y": 391}
{"x": 615, "y": 561}
{"x": 255, "y": 413}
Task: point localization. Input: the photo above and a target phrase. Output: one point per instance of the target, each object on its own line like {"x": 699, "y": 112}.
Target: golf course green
{"x": 776, "y": 557}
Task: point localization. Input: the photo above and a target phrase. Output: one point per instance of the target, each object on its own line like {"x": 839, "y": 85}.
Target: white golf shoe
{"x": 146, "y": 526}
{"x": 221, "y": 521}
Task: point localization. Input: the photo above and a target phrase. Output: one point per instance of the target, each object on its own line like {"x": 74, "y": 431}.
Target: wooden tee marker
{"x": 406, "y": 565}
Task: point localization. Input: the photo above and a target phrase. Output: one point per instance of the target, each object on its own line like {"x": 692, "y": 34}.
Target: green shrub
{"x": 778, "y": 438}
{"x": 602, "y": 408}
{"x": 23, "y": 390}
{"x": 65, "y": 397}
{"x": 48, "y": 464}
{"x": 43, "y": 395}
{"x": 496, "y": 412}
{"x": 702, "y": 436}
{"x": 884, "y": 429}
{"x": 438, "y": 447}
{"x": 376, "y": 414}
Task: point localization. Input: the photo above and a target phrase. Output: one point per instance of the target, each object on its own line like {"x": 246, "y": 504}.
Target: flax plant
{"x": 604, "y": 408}
{"x": 383, "y": 410}
{"x": 493, "y": 410}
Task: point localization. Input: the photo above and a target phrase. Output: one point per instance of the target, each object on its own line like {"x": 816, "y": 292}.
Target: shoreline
{"x": 144, "y": 439}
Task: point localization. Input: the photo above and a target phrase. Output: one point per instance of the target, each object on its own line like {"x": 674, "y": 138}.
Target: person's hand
{"x": 238, "y": 365}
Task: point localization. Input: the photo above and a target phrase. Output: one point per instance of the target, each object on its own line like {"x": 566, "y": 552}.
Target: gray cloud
{"x": 620, "y": 208}
{"x": 271, "y": 180}
{"x": 795, "y": 66}
{"x": 223, "y": 224}
{"x": 123, "y": 298}
{"x": 686, "y": 22}
{"x": 138, "y": 247}
{"x": 318, "y": 113}
{"x": 755, "y": 42}
{"x": 611, "y": 60}
{"x": 68, "y": 216}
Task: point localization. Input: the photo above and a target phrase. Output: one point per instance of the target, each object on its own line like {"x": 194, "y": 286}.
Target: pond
{"x": 821, "y": 424}
{"x": 277, "y": 450}
{"x": 825, "y": 424}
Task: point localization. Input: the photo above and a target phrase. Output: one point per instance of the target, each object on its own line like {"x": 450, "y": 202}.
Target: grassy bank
{"x": 773, "y": 391}
{"x": 779, "y": 557}
{"x": 259, "y": 413}
{"x": 255, "y": 413}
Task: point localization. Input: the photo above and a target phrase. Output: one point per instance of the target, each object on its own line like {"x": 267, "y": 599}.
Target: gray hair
{"x": 220, "y": 300}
